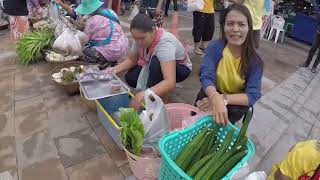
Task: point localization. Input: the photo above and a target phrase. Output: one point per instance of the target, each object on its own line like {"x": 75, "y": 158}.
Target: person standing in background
{"x": 203, "y": 27}
{"x": 315, "y": 44}
{"x": 175, "y": 6}
{"x": 258, "y": 10}
{"x": 153, "y": 9}
{"x": 18, "y": 17}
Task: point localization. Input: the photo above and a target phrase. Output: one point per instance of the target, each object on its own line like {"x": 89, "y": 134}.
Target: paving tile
{"x": 307, "y": 115}
{"x": 7, "y": 153}
{"x": 276, "y": 108}
{"x": 66, "y": 116}
{"x": 265, "y": 119}
{"x": 296, "y": 107}
{"x": 30, "y": 116}
{"x": 30, "y": 82}
{"x": 6, "y": 102}
{"x": 126, "y": 170}
{"x": 99, "y": 168}
{"x": 27, "y": 85}
{"x": 35, "y": 148}
{"x": 6, "y": 84}
{"x": 315, "y": 133}
{"x": 300, "y": 128}
{"x": 7, "y": 58}
{"x": 279, "y": 98}
{"x": 78, "y": 146}
{"x": 7, "y": 123}
{"x": 92, "y": 118}
{"x": 267, "y": 142}
{"x": 312, "y": 102}
{"x": 117, "y": 155}
{"x": 305, "y": 73}
{"x": 8, "y": 70}
{"x": 49, "y": 169}
{"x": 287, "y": 91}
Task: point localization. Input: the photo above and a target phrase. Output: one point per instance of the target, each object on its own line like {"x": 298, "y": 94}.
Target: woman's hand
{"x": 111, "y": 70}
{"x": 219, "y": 112}
{"x": 204, "y": 105}
{"x": 137, "y": 100}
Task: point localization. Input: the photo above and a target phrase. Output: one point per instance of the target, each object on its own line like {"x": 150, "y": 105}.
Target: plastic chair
{"x": 277, "y": 25}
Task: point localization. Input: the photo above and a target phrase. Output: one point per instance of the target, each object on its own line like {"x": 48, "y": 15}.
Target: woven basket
{"x": 71, "y": 88}
{"x": 54, "y": 64}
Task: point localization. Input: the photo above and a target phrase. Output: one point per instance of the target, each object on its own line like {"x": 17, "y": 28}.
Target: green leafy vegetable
{"x": 29, "y": 47}
{"x": 132, "y": 132}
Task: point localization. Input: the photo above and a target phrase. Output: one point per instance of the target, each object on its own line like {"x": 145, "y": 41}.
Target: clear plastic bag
{"x": 195, "y": 5}
{"x": 154, "y": 119}
{"x": 60, "y": 28}
{"x": 68, "y": 43}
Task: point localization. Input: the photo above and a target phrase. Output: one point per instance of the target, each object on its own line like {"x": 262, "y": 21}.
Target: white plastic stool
{"x": 277, "y": 25}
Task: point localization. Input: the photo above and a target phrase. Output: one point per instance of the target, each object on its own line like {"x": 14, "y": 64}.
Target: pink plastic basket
{"x": 177, "y": 112}
{"x": 148, "y": 167}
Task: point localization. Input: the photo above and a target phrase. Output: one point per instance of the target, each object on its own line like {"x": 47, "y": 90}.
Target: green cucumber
{"x": 222, "y": 149}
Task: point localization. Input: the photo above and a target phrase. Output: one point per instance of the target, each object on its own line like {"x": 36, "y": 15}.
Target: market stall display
{"x": 30, "y": 46}
{"x": 64, "y": 77}
{"x": 97, "y": 84}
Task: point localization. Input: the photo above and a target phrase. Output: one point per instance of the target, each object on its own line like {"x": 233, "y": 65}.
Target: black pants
{"x": 315, "y": 46}
{"x": 256, "y": 38}
{"x": 155, "y": 73}
{"x": 175, "y": 5}
{"x": 203, "y": 26}
{"x": 235, "y": 112}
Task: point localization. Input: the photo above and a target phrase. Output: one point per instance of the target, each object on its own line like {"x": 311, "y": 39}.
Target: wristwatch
{"x": 225, "y": 99}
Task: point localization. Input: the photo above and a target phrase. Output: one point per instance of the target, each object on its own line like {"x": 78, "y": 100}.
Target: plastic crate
{"x": 172, "y": 144}
{"x": 111, "y": 105}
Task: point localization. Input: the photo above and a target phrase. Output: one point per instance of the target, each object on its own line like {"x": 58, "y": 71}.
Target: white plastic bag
{"x": 69, "y": 42}
{"x": 241, "y": 173}
{"x": 195, "y": 5}
{"x": 154, "y": 119}
{"x": 134, "y": 12}
{"x": 261, "y": 175}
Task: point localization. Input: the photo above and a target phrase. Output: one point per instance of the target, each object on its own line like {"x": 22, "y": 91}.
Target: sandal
{"x": 198, "y": 51}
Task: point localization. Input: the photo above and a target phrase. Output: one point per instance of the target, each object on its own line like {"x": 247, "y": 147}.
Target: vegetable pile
{"x": 29, "y": 47}
{"x": 132, "y": 132}
{"x": 203, "y": 157}
{"x": 56, "y": 57}
{"x": 67, "y": 75}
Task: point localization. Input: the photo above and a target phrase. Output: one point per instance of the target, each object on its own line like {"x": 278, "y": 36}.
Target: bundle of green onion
{"x": 29, "y": 47}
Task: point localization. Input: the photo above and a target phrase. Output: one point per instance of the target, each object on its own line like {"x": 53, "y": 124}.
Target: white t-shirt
{"x": 169, "y": 48}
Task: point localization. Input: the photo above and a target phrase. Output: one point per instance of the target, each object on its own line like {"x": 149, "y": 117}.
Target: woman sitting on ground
{"x": 106, "y": 41}
{"x": 231, "y": 71}
{"x": 158, "y": 60}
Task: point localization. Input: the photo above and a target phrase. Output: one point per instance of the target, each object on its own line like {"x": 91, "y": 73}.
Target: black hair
{"x": 142, "y": 22}
{"x": 248, "y": 50}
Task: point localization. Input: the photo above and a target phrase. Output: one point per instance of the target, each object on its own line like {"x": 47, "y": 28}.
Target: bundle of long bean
{"x": 29, "y": 47}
